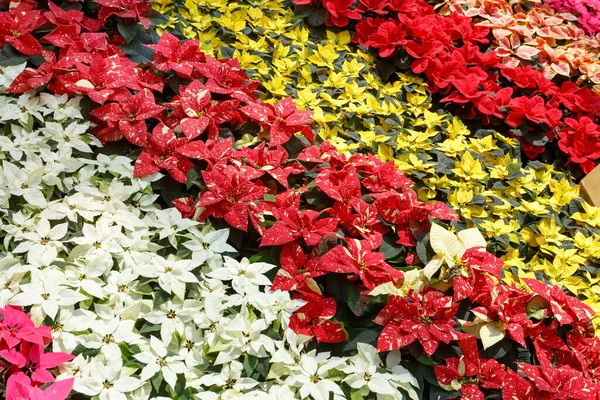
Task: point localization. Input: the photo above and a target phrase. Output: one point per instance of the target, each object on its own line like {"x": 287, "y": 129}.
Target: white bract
{"x": 152, "y": 302}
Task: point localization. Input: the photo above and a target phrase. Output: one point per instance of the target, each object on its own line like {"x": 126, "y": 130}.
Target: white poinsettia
{"x": 207, "y": 247}
{"x": 172, "y": 273}
{"x": 46, "y": 293}
{"x": 106, "y": 379}
{"x": 69, "y": 322}
{"x": 60, "y": 106}
{"x": 156, "y": 359}
{"x": 70, "y": 207}
{"x": 172, "y": 316}
{"x": 230, "y": 378}
{"x": 107, "y": 335}
{"x": 243, "y": 334}
{"x": 68, "y": 137}
{"x": 25, "y": 182}
{"x": 312, "y": 377}
{"x": 169, "y": 223}
{"x": 22, "y": 142}
{"x": 365, "y": 369}
{"x": 450, "y": 247}
{"x": 245, "y": 277}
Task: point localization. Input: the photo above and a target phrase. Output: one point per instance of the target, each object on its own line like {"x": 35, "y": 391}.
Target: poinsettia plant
{"x": 520, "y": 99}
{"x": 26, "y": 367}
{"x": 348, "y": 232}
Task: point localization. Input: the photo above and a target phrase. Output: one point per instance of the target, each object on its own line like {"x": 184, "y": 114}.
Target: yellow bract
{"x": 520, "y": 211}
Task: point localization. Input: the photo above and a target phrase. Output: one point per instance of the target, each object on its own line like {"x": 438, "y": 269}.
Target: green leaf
{"x": 389, "y": 247}
{"x": 360, "y": 393}
{"x": 316, "y": 17}
{"x": 137, "y": 52}
{"x": 10, "y": 56}
{"x": 227, "y": 52}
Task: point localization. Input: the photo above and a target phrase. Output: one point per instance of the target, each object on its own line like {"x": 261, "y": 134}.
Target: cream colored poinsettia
{"x": 450, "y": 247}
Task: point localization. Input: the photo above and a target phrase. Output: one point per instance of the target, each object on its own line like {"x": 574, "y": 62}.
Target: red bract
{"x": 313, "y": 318}
{"x": 293, "y": 224}
{"x": 19, "y": 388}
{"x": 230, "y": 195}
{"x": 160, "y": 153}
{"x": 272, "y": 161}
{"x": 134, "y": 9}
{"x": 32, "y": 78}
{"x": 470, "y": 372}
{"x": 171, "y": 54}
{"x": 339, "y": 185}
{"x": 388, "y": 38}
{"x": 16, "y": 327}
{"x": 378, "y": 176}
{"x": 361, "y": 220}
{"x": 427, "y": 317}
{"x": 226, "y": 77}
{"x": 556, "y": 383}
{"x": 295, "y": 269}
{"x": 360, "y": 260}
{"x": 212, "y": 152}
{"x": 130, "y": 115}
{"x": 580, "y": 139}
{"x": 464, "y": 275}
{"x": 282, "y": 119}
{"x": 102, "y": 79}
{"x": 16, "y": 26}
{"x": 32, "y": 358}
{"x": 566, "y": 309}
{"x": 340, "y": 12}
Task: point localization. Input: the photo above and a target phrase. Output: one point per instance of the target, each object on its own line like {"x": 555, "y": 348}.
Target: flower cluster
{"x": 535, "y": 36}
{"x": 475, "y": 82}
{"x": 276, "y": 239}
{"x": 585, "y": 11}
{"x": 151, "y": 303}
{"x": 523, "y": 209}
{"x": 24, "y": 363}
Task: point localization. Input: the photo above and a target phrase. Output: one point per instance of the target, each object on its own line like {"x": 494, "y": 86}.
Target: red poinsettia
{"x": 227, "y": 77}
{"x": 213, "y": 152}
{"x": 229, "y": 195}
{"x": 464, "y": 275}
{"x": 292, "y": 224}
{"x": 130, "y": 115}
{"x": 427, "y": 317}
{"x": 551, "y": 382}
{"x": 470, "y": 373}
{"x": 17, "y": 327}
{"x": 388, "y": 38}
{"x": 183, "y": 58}
{"x": 580, "y": 139}
{"x": 272, "y": 161}
{"x": 32, "y": 78}
{"x": 361, "y": 219}
{"x": 31, "y": 358}
{"x": 160, "y": 153}
{"x": 125, "y": 9}
{"x": 16, "y": 26}
{"x": 567, "y": 310}
{"x": 282, "y": 119}
{"x": 295, "y": 269}
{"x": 104, "y": 78}
{"x": 358, "y": 258}
{"x": 340, "y": 12}
{"x": 313, "y": 318}
{"x": 19, "y": 387}
{"x": 341, "y": 185}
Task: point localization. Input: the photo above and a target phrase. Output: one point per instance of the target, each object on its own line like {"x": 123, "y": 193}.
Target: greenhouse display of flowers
{"x": 308, "y": 199}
